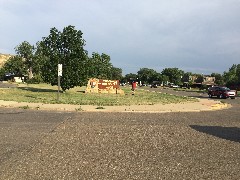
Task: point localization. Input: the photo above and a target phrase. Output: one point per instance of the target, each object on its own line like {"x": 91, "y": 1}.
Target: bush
{"x": 204, "y": 87}
{"x": 37, "y": 79}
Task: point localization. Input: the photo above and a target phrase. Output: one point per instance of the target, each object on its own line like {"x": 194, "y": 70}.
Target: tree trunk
{"x": 30, "y": 74}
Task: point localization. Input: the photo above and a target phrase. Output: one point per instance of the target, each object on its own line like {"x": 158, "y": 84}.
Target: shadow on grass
{"x": 228, "y": 133}
{"x": 37, "y": 89}
{"x": 81, "y": 91}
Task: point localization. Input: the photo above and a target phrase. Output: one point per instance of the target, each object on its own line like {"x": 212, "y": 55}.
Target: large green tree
{"x": 100, "y": 66}
{"x": 147, "y": 75}
{"x": 218, "y": 78}
{"x": 163, "y": 79}
{"x": 128, "y": 78}
{"x": 175, "y": 75}
{"x": 39, "y": 59}
{"x": 116, "y": 73}
{"x": 187, "y": 77}
{"x": 14, "y": 65}
{"x": 232, "y": 76}
{"x": 26, "y": 51}
{"x": 66, "y": 48}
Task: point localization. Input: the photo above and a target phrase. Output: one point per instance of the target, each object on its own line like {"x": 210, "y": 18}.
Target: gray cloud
{"x": 194, "y": 35}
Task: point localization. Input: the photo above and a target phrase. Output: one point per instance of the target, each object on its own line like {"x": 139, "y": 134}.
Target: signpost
{"x": 59, "y": 74}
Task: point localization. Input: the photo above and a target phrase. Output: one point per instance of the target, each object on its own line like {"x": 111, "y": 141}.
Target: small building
{"x": 197, "y": 81}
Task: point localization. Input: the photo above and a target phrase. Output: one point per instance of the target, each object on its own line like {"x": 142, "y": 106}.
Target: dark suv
{"x": 221, "y": 92}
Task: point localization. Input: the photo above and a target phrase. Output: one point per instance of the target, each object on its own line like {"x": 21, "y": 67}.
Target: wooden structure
{"x": 103, "y": 86}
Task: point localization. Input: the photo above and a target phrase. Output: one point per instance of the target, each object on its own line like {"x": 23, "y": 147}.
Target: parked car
{"x": 221, "y": 92}
{"x": 154, "y": 86}
{"x": 173, "y": 85}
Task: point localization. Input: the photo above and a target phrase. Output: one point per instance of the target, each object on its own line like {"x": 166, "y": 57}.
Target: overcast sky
{"x": 199, "y": 36}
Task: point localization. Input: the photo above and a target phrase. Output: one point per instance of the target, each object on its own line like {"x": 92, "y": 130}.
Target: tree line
{"x": 40, "y": 62}
{"x": 66, "y": 47}
{"x": 177, "y": 76}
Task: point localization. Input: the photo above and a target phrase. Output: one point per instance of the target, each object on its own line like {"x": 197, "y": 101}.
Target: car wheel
{"x": 209, "y": 95}
{"x": 220, "y": 96}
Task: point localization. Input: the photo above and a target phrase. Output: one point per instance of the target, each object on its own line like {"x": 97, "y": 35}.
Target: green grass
{"x": 44, "y": 93}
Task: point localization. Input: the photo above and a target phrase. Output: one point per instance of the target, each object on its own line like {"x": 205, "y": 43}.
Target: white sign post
{"x": 59, "y": 75}
{"x": 59, "y": 69}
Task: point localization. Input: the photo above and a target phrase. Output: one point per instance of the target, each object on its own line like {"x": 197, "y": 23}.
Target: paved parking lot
{"x": 20, "y": 130}
{"x": 49, "y": 145}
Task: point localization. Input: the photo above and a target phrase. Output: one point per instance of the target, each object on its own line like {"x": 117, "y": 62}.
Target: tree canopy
{"x": 66, "y": 48}
{"x": 15, "y": 65}
{"x": 147, "y": 75}
{"x": 232, "y": 76}
{"x": 116, "y": 73}
{"x": 100, "y": 66}
{"x": 218, "y": 78}
{"x": 130, "y": 77}
{"x": 174, "y": 74}
{"x": 26, "y": 51}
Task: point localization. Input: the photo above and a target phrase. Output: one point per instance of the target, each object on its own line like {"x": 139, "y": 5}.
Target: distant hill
{"x": 4, "y": 58}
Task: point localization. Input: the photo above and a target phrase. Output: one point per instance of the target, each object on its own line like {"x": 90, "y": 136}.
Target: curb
{"x": 220, "y": 106}
{"x": 202, "y": 105}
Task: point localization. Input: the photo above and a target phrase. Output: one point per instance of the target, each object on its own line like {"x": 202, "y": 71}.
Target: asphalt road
{"x": 235, "y": 102}
{"x": 49, "y": 145}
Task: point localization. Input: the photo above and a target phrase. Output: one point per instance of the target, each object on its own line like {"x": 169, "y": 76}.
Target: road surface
{"x": 83, "y": 145}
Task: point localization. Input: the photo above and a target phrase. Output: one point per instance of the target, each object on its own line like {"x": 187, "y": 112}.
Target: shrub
{"x": 204, "y": 87}
{"x": 37, "y": 79}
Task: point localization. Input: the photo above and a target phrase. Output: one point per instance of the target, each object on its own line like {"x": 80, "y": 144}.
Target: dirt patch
{"x": 201, "y": 105}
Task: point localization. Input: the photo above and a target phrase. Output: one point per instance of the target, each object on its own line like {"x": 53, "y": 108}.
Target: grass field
{"x": 44, "y": 93}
